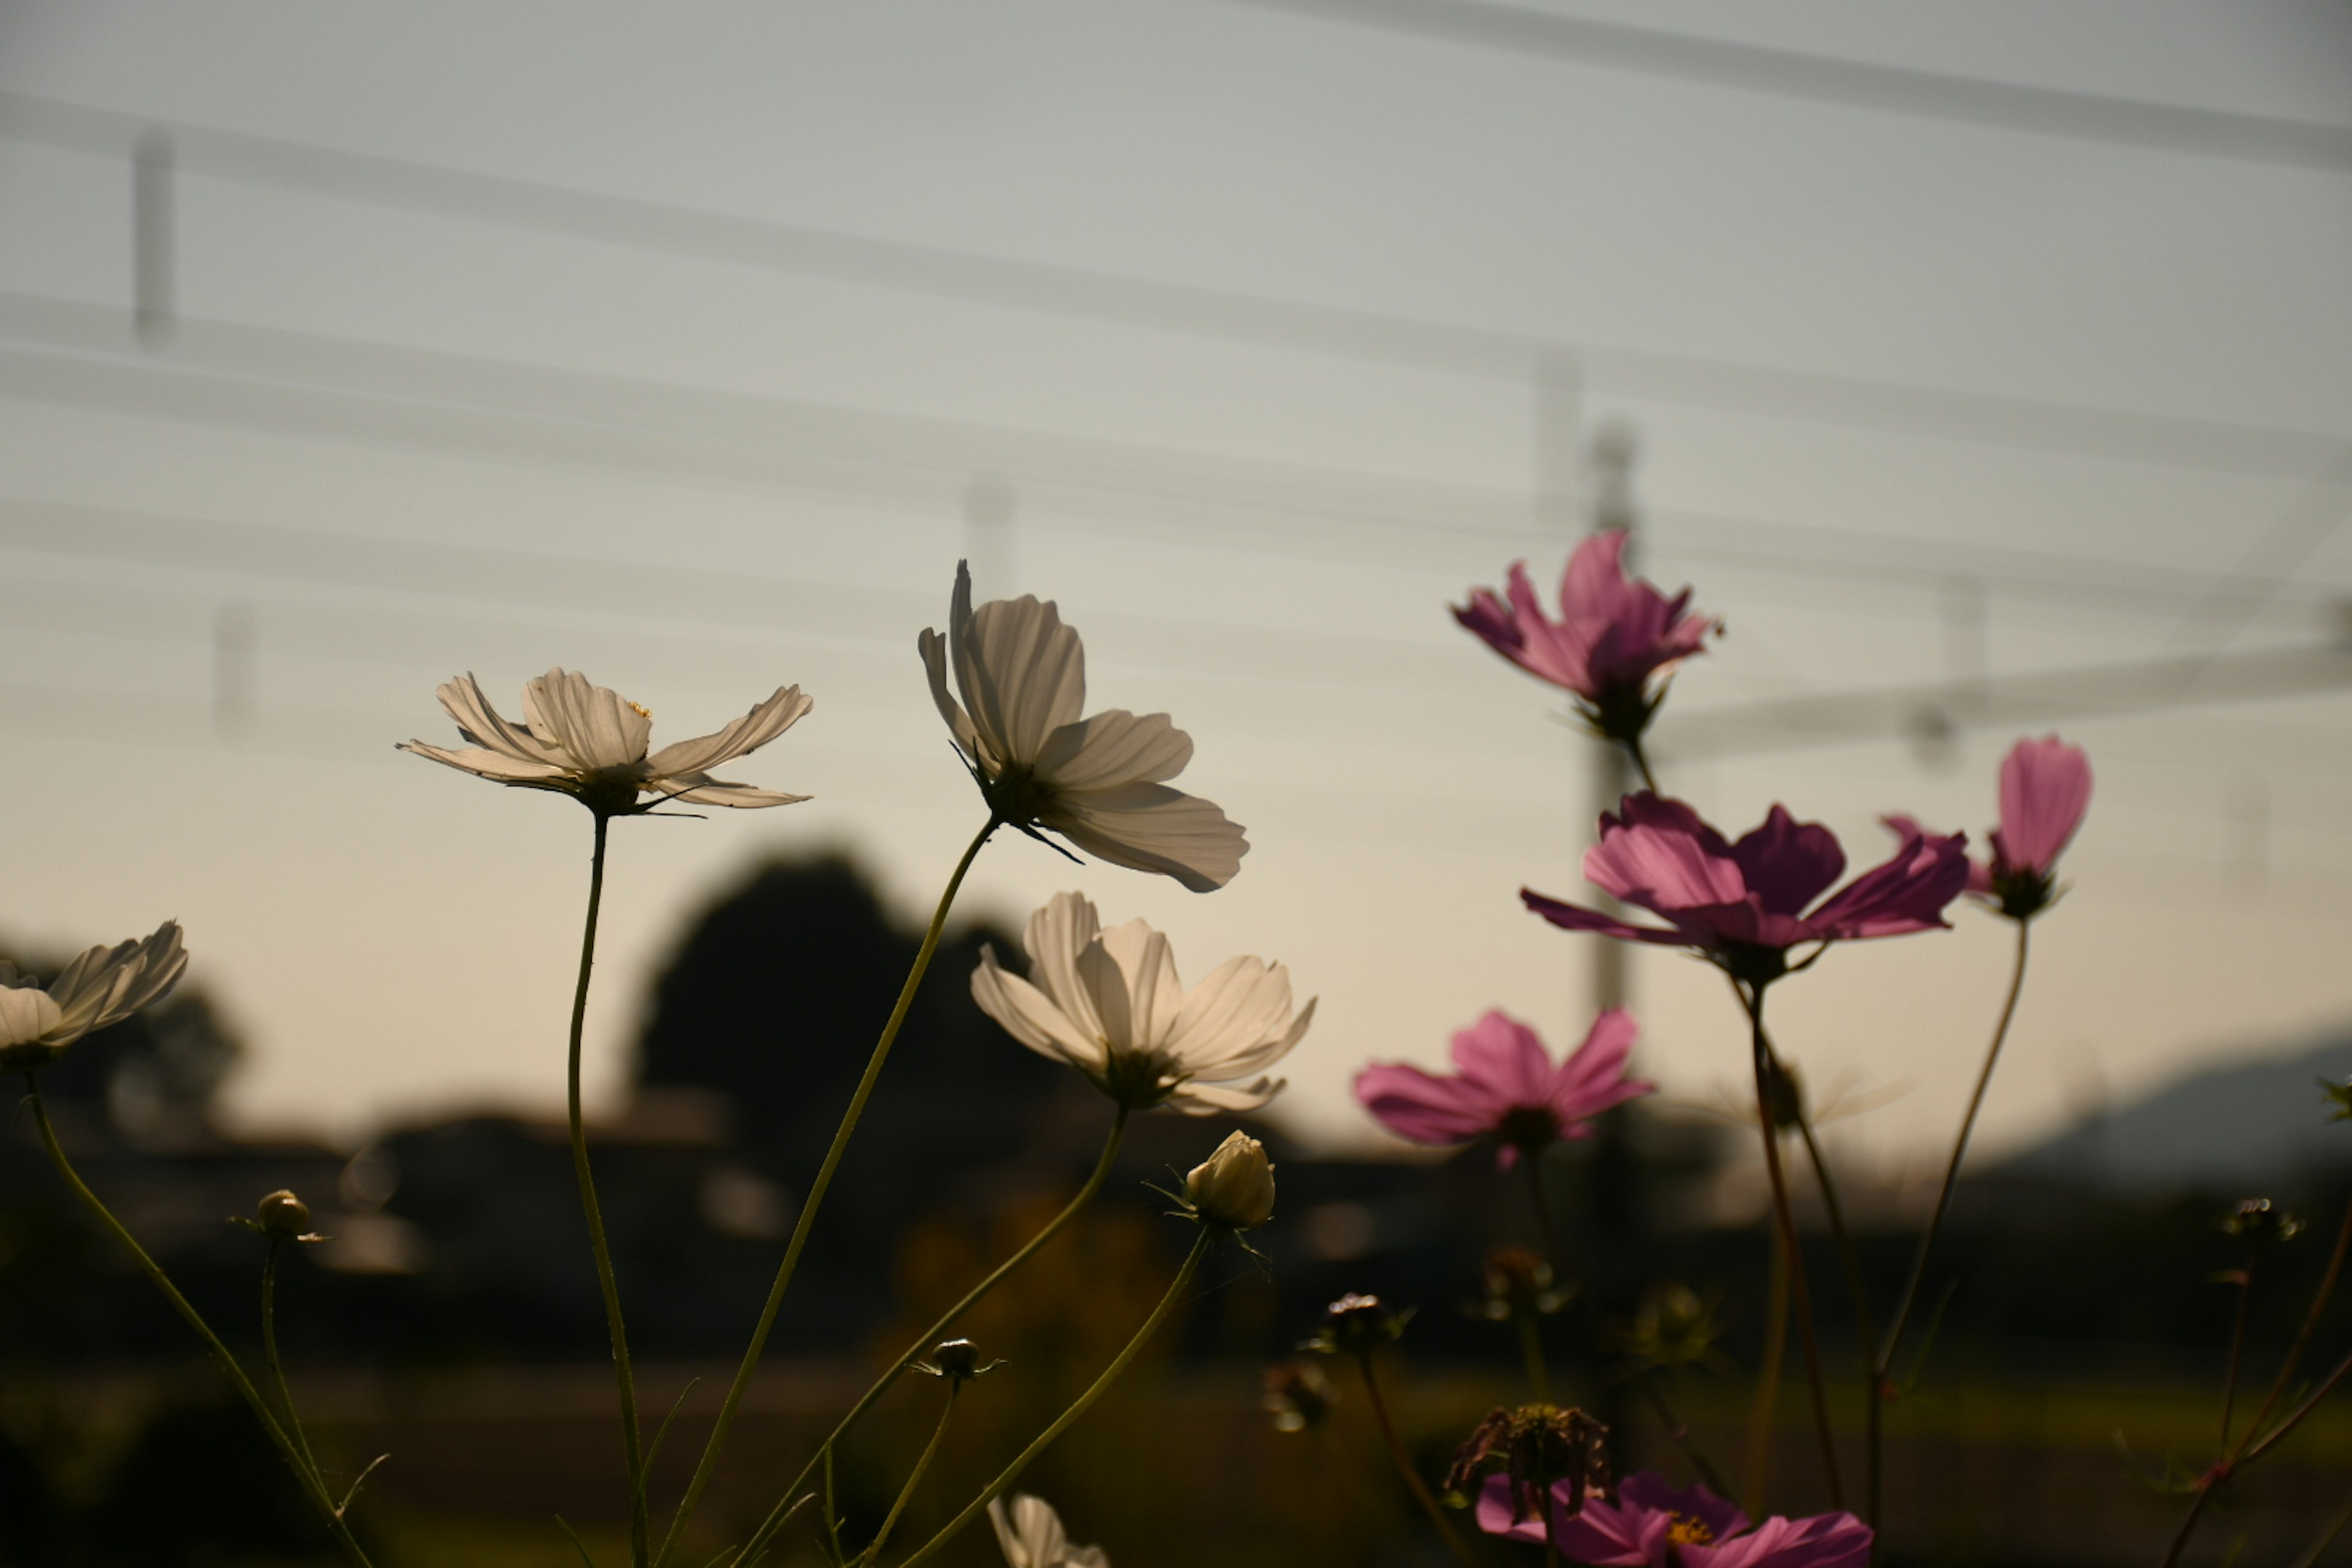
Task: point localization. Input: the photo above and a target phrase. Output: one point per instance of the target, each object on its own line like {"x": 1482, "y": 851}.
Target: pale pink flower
{"x": 2045, "y": 787}
{"x": 1614, "y": 635}
{"x": 1744, "y": 905}
{"x": 1504, "y": 1086}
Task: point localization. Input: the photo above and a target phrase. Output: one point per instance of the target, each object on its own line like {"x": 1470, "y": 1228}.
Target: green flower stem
{"x": 1885, "y": 1363}
{"x": 1011, "y": 1472}
{"x": 947, "y": 1320}
{"x": 807, "y": 1218}
{"x": 1645, "y": 1376}
{"x": 632, "y": 1435}
{"x": 1767, "y": 1382}
{"x": 276, "y": 1367}
{"x": 1413, "y": 1483}
{"x": 1640, "y": 760}
{"x": 914, "y": 1477}
{"x": 1799, "y": 1295}
{"x": 311, "y": 1486}
{"x": 1531, "y": 1351}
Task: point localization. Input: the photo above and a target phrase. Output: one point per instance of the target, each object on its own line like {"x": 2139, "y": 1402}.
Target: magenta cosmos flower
{"x": 1653, "y": 1525}
{"x": 2045, "y": 787}
{"x": 1744, "y": 905}
{"x": 1504, "y": 1086}
{"x": 1614, "y": 633}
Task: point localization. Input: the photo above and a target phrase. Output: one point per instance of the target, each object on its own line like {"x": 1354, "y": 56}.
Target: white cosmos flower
{"x": 589, "y": 741}
{"x": 1097, "y": 782}
{"x": 104, "y": 985}
{"x": 1032, "y": 1536}
{"x": 1110, "y": 1004}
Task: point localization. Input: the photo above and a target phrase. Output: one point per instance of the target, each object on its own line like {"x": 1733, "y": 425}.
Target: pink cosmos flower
{"x": 1653, "y": 1525}
{"x": 2045, "y": 787}
{"x": 1614, "y": 633}
{"x": 1743, "y": 905}
{"x": 1504, "y": 1086}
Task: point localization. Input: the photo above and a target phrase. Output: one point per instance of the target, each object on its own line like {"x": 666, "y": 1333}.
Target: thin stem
{"x": 2237, "y": 1347}
{"x": 2295, "y": 1417}
{"x": 1904, "y": 1302}
{"x": 1799, "y": 1295}
{"x": 276, "y": 1367}
{"x": 1873, "y": 1387}
{"x": 931, "y": 1336}
{"x": 1768, "y": 1381}
{"x": 817, "y": 1189}
{"x": 1011, "y": 1472}
{"x": 2326, "y": 1538}
{"x": 311, "y": 1486}
{"x": 1413, "y": 1483}
{"x": 1531, "y": 1351}
{"x": 1641, "y": 760}
{"x": 914, "y": 1478}
{"x": 1883, "y": 1362}
{"x": 2310, "y": 1324}
{"x": 1675, "y": 1429}
{"x": 1678, "y": 1430}
{"x": 632, "y": 1436}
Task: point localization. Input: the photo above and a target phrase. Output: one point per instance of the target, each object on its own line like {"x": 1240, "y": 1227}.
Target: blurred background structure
{"x": 1989, "y": 366}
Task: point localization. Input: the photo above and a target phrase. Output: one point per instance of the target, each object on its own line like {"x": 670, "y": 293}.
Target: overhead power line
{"x": 1154, "y": 305}
{"x": 1847, "y": 83}
{"x": 322, "y": 387}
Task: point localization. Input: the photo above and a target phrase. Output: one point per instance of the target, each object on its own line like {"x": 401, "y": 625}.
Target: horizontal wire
{"x": 418, "y": 395}
{"x": 1846, "y": 83}
{"x": 893, "y": 266}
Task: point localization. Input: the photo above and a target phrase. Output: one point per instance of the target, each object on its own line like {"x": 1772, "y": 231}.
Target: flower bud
{"x": 2255, "y": 1217}
{"x": 958, "y": 1360}
{"x": 1234, "y": 1186}
{"x": 282, "y": 1214}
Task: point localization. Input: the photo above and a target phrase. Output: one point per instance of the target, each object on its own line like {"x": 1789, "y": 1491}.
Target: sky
{"x": 692, "y": 347}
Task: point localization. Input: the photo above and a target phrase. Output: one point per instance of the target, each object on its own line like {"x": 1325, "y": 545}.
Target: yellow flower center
{"x": 1689, "y": 1531}
{"x": 643, "y": 712}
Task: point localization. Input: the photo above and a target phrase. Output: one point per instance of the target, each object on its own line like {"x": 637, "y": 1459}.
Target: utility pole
{"x": 152, "y": 243}
{"x": 1614, "y": 447}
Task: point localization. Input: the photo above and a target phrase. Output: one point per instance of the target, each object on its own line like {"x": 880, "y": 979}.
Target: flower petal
{"x": 934, "y": 649}
{"x": 1506, "y": 1060}
{"x": 1151, "y": 828}
{"x": 1061, "y": 930}
{"x": 486, "y": 764}
{"x": 1029, "y": 1016}
{"x": 1023, "y": 672}
{"x": 594, "y": 726}
{"x": 1192, "y": 1099}
{"x": 1153, "y": 995}
{"x": 1112, "y": 748}
{"x": 763, "y": 723}
{"x": 462, "y": 698}
{"x": 1423, "y": 1107}
{"x": 2045, "y": 787}
{"x": 1788, "y": 864}
{"x": 718, "y": 791}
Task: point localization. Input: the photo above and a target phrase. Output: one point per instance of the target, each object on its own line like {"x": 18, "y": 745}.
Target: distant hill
{"x": 2246, "y": 1126}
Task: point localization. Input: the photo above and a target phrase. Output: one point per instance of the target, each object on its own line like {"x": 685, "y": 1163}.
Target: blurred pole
{"x": 152, "y": 242}
{"x": 235, "y": 697}
{"x": 1614, "y": 447}
{"x": 990, "y": 508}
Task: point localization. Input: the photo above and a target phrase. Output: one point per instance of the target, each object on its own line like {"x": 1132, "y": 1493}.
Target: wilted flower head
{"x": 1356, "y": 1325}
{"x": 1743, "y": 905}
{"x": 1099, "y": 782}
{"x": 1298, "y": 1394}
{"x": 1110, "y": 1004}
{"x": 1518, "y": 1283}
{"x": 1504, "y": 1086}
{"x": 1545, "y": 1452}
{"x": 1613, "y": 635}
{"x": 1030, "y": 1534}
{"x": 1233, "y": 1187}
{"x": 589, "y": 742}
{"x": 958, "y": 1360}
{"x": 1650, "y": 1524}
{"x": 102, "y": 987}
